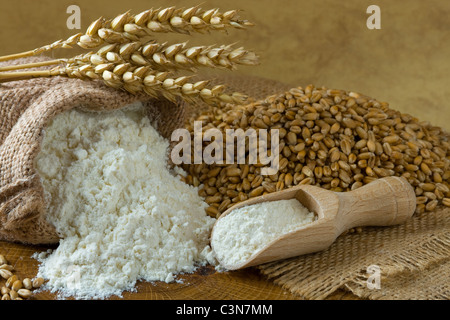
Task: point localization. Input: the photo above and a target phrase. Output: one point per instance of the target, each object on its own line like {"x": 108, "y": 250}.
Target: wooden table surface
{"x": 301, "y": 42}
{"x": 205, "y": 284}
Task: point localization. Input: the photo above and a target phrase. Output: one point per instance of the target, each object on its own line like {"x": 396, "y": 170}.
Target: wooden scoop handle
{"x": 384, "y": 202}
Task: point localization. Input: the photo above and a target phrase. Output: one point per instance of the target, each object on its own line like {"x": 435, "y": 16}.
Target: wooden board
{"x": 205, "y": 284}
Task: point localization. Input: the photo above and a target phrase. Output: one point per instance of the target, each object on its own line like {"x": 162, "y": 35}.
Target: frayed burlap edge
{"x": 430, "y": 283}
{"x": 413, "y": 260}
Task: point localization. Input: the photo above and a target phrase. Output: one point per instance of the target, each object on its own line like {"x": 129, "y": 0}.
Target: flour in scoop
{"x": 245, "y": 231}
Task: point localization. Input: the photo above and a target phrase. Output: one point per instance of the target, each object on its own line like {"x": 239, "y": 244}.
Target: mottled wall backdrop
{"x": 322, "y": 42}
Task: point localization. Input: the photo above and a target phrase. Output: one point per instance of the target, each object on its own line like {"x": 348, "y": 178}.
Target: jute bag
{"x": 26, "y": 107}
{"x": 410, "y": 261}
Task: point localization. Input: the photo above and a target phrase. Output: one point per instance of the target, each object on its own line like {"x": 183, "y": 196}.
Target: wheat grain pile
{"x": 335, "y": 139}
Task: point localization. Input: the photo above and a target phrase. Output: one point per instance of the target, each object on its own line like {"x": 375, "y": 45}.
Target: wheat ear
{"x": 130, "y": 28}
{"x": 121, "y": 70}
{"x": 128, "y": 61}
{"x": 135, "y": 80}
{"x": 172, "y": 57}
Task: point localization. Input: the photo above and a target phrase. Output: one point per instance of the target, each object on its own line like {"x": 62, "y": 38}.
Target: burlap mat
{"x": 413, "y": 259}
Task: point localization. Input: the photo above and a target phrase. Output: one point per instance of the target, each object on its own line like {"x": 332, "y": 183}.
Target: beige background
{"x": 321, "y": 42}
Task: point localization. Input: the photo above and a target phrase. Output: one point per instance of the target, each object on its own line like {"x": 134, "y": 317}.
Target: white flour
{"x": 122, "y": 214}
{"x": 245, "y": 231}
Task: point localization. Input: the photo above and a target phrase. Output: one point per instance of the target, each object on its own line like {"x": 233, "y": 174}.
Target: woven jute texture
{"x": 410, "y": 261}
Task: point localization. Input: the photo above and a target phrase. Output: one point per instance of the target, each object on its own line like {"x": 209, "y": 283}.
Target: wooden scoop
{"x": 384, "y": 202}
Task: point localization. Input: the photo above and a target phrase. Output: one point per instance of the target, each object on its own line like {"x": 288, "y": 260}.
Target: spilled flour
{"x": 245, "y": 231}
{"x": 122, "y": 214}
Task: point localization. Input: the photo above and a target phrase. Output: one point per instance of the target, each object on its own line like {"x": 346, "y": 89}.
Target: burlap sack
{"x": 26, "y": 107}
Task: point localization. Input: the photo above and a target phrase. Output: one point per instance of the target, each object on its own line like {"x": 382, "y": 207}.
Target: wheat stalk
{"x": 119, "y": 70}
{"x": 131, "y": 28}
{"x": 172, "y": 57}
{"x": 128, "y": 28}
{"x": 31, "y": 65}
{"x": 135, "y": 80}
{"x": 128, "y": 61}
{"x": 67, "y": 44}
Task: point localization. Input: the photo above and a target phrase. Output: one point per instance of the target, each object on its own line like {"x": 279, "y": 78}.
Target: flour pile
{"x": 245, "y": 231}
{"x": 122, "y": 214}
